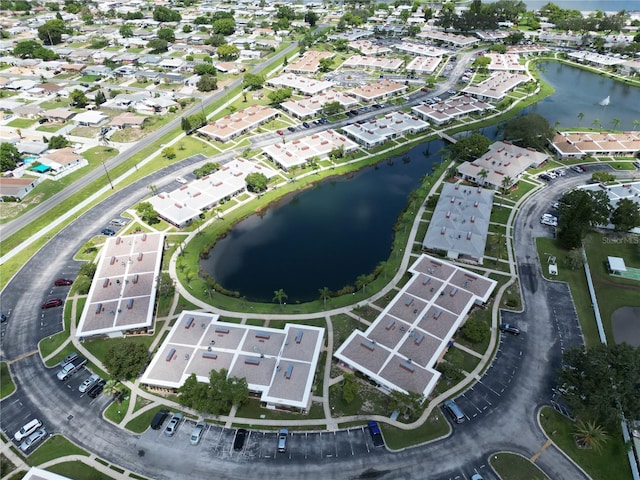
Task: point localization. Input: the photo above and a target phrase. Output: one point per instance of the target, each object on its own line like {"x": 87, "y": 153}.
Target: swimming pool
{"x": 29, "y": 160}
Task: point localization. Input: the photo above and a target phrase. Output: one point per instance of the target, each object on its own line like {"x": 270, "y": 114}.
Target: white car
{"x": 27, "y": 429}
{"x": 88, "y": 383}
{"x": 181, "y": 180}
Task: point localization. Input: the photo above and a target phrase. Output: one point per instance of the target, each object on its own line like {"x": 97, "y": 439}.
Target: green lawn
{"x": 140, "y": 423}
{"x": 78, "y": 471}
{"x": 436, "y": 426}
{"x": 100, "y": 347}
{"x": 117, "y": 410}
{"x": 461, "y": 359}
{"x": 610, "y": 463}
{"x": 510, "y": 466}
{"x": 100, "y": 154}
{"x": 7, "y": 386}
{"x": 55, "y": 447}
{"x": 21, "y": 123}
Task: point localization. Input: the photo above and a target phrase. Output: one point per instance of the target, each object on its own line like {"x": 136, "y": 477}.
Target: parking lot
{"x": 217, "y": 442}
{"x": 490, "y": 388}
{"x": 15, "y": 415}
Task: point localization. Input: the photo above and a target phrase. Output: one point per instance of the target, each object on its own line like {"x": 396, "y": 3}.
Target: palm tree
{"x": 636, "y": 124}
{"x": 361, "y": 281}
{"x": 324, "y": 294}
{"x": 113, "y": 387}
{"x": 279, "y": 295}
{"x": 596, "y": 123}
{"x": 580, "y": 117}
{"x": 382, "y": 266}
{"x": 506, "y": 183}
{"x": 483, "y": 174}
{"x": 615, "y": 122}
{"x": 590, "y": 435}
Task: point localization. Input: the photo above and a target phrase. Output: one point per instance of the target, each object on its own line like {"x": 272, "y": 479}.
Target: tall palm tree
{"x": 591, "y": 435}
{"x": 636, "y": 124}
{"x": 324, "y": 294}
{"x": 615, "y": 122}
{"x": 506, "y": 183}
{"x": 280, "y": 296}
{"x": 483, "y": 174}
{"x": 361, "y": 281}
{"x": 580, "y": 117}
{"x": 596, "y": 123}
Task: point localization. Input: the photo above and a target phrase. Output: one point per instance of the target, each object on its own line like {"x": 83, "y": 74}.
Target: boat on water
{"x": 605, "y": 101}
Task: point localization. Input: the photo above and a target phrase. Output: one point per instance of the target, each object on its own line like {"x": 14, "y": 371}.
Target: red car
{"x": 63, "y": 282}
{"x": 52, "y": 302}
{"x": 280, "y": 132}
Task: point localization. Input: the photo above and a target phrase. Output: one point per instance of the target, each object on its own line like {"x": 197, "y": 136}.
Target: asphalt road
{"x": 501, "y": 407}
{"x": 24, "y": 220}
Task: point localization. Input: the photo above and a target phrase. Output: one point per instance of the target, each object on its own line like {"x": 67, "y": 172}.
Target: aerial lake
{"x": 342, "y": 227}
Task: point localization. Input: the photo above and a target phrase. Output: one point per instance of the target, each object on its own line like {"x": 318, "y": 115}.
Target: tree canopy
{"x": 164, "y": 14}
{"x": 147, "y": 213}
{"x": 158, "y": 45}
{"x": 470, "y": 147}
{"x": 252, "y": 81}
{"x": 278, "y": 96}
{"x": 626, "y": 215}
{"x": 216, "y": 397}
{"x": 224, "y": 26}
{"x": 580, "y": 210}
{"x": 58, "y": 141}
{"x": 33, "y": 49}
{"x": 127, "y": 360}
{"x": 530, "y": 130}
{"x": 207, "y": 83}
{"x": 167, "y": 34}
{"x": 51, "y": 31}
{"x": 256, "y": 182}
{"x": 9, "y": 156}
{"x": 78, "y": 98}
{"x": 602, "y": 382}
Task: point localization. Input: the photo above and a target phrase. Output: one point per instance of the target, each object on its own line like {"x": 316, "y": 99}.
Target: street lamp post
{"x": 107, "y": 172}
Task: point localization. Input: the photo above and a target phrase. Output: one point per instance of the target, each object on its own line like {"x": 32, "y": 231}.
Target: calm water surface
{"x": 329, "y": 235}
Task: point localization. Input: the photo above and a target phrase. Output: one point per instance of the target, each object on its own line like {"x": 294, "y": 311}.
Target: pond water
{"x": 343, "y": 227}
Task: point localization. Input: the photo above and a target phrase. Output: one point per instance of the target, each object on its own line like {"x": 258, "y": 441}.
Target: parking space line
{"x": 350, "y": 442}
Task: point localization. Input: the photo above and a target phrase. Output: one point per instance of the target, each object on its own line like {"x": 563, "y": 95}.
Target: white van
{"x": 27, "y": 429}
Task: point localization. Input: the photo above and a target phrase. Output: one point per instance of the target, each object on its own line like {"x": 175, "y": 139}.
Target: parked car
{"x": 69, "y": 358}
{"x": 376, "y": 434}
{"x": 159, "y": 419}
{"x": 62, "y": 282}
{"x": 545, "y": 177}
{"x": 279, "y": 132}
{"x": 172, "y": 426}
{"x": 181, "y": 180}
{"x": 108, "y": 232}
{"x": 306, "y": 125}
{"x": 96, "y": 389}
{"x": 577, "y": 168}
{"x": 282, "y": 440}
{"x": 196, "y": 435}
{"x": 3, "y": 318}
{"x": 71, "y": 368}
{"x": 118, "y": 222}
{"x": 291, "y": 129}
{"x": 27, "y": 429}
{"x": 238, "y": 441}
{"x": 51, "y": 303}
{"x": 508, "y": 328}
{"x": 476, "y": 476}
{"x": 88, "y": 383}
{"x": 32, "y": 439}
{"x": 636, "y": 164}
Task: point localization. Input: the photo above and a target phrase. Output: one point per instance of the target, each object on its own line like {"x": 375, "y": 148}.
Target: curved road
{"x": 508, "y": 424}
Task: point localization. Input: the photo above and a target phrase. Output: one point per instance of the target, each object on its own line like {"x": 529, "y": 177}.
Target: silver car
{"x": 88, "y": 383}
{"x": 172, "y": 426}
{"x": 32, "y": 439}
{"x": 196, "y": 435}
